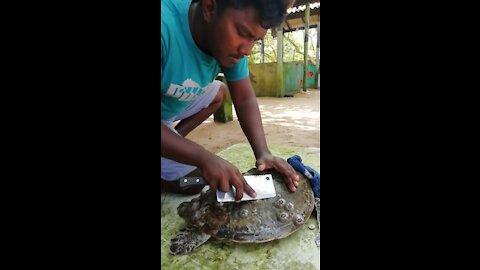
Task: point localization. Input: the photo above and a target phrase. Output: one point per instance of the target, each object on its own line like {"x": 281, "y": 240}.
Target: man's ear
{"x": 209, "y": 9}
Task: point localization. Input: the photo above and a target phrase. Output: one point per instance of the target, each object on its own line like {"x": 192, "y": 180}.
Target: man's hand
{"x": 248, "y": 114}
{"x": 221, "y": 175}
{"x": 268, "y": 161}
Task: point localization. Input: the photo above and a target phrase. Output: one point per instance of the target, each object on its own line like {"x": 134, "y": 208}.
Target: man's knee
{"x": 221, "y": 94}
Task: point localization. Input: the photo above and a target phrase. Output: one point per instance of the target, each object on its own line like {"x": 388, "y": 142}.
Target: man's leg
{"x": 193, "y": 117}
{"x": 188, "y": 124}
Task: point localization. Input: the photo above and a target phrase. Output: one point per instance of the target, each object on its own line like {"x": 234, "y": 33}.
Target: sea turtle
{"x": 254, "y": 221}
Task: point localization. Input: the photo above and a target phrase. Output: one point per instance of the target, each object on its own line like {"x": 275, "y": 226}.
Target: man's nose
{"x": 246, "y": 48}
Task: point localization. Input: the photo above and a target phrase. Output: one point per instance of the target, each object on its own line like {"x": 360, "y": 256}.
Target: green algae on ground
{"x": 241, "y": 155}
{"x": 297, "y": 251}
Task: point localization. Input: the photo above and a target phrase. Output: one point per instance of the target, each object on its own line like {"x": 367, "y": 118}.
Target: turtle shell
{"x": 252, "y": 221}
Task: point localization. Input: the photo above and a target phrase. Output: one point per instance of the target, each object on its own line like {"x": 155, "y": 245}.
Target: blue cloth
{"x": 312, "y": 175}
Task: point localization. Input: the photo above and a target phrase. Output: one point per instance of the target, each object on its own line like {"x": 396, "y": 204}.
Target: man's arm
{"x": 218, "y": 172}
{"x": 175, "y": 147}
{"x": 248, "y": 114}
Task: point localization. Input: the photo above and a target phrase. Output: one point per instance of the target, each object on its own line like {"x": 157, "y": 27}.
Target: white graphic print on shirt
{"x": 189, "y": 90}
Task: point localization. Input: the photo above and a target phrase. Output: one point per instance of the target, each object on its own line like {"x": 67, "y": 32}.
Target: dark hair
{"x": 272, "y": 12}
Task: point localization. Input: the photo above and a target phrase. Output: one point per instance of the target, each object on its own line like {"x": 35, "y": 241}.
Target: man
{"x": 199, "y": 39}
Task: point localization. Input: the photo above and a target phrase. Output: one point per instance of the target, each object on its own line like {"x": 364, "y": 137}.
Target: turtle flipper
{"x": 186, "y": 240}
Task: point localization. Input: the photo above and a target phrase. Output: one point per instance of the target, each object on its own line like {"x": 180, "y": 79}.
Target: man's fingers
{"x": 291, "y": 177}
{"x": 241, "y": 187}
{"x": 238, "y": 192}
{"x": 291, "y": 186}
{"x": 294, "y": 179}
{"x": 289, "y": 183}
{"x": 224, "y": 185}
{"x": 262, "y": 164}
{"x": 261, "y": 167}
{"x": 213, "y": 185}
{"x": 249, "y": 190}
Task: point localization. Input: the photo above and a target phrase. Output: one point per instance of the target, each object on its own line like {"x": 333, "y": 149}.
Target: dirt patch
{"x": 289, "y": 121}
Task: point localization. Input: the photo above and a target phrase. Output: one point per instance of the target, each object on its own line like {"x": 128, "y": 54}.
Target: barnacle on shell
{"x": 298, "y": 220}
{"x": 289, "y": 206}
{"x": 280, "y": 202}
{"x": 244, "y": 213}
{"x": 283, "y": 217}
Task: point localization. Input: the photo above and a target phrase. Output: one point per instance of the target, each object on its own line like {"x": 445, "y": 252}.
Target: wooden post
{"x": 280, "y": 79}
{"x": 224, "y": 113}
{"x": 263, "y": 50}
{"x": 318, "y": 55}
{"x": 305, "y": 44}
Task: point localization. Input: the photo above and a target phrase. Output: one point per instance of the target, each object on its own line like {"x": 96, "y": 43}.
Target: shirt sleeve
{"x": 238, "y": 71}
{"x": 163, "y": 50}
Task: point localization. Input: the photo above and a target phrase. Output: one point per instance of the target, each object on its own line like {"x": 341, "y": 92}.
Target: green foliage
{"x": 292, "y": 47}
{"x": 270, "y": 50}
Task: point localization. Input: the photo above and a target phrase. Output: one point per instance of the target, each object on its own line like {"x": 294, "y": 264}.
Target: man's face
{"x": 232, "y": 35}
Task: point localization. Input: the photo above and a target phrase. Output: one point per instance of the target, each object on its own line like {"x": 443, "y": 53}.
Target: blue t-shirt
{"x": 186, "y": 71}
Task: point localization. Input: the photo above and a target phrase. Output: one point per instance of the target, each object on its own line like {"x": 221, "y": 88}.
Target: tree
{"x": 292, "y": 47}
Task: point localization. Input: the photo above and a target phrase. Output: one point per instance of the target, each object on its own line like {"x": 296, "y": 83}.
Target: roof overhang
{"x": 295, "y": 19}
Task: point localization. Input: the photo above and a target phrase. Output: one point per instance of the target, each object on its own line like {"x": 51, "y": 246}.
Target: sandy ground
{"x": 289, "y": 121}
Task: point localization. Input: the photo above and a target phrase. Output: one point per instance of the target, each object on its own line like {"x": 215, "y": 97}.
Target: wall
{"x": 264, "y": 82}
{"x": 263, "y": 79}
